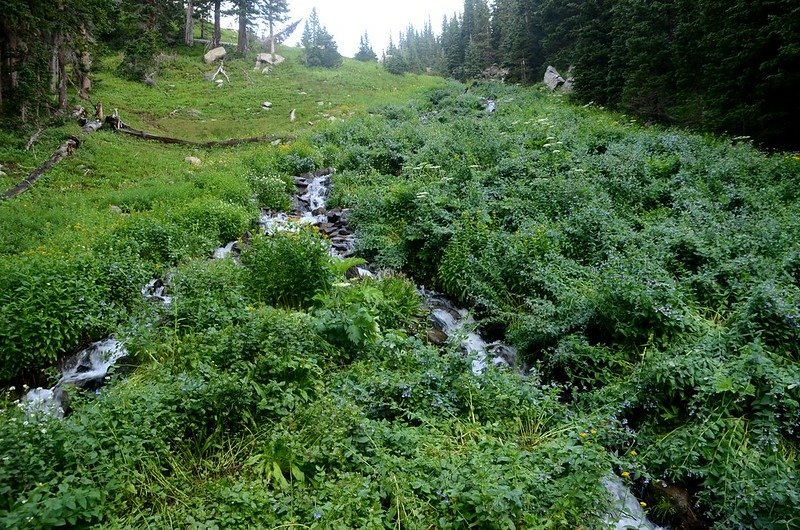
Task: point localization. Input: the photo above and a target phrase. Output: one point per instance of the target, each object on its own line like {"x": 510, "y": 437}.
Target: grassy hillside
{"x": 648, "y": 278}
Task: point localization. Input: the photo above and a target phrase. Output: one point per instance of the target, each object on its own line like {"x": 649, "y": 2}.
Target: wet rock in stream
{"x": 86, "y": 369}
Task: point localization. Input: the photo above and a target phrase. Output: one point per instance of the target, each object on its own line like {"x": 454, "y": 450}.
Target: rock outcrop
{"x": 215, "y": 55}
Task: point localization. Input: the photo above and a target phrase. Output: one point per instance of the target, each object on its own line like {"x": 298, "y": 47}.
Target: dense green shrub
{"x": 51, "y": 304}
{"x": 272, "y": 192}
{"x": 207, "y": 294}
{"x": 287, "y": 268}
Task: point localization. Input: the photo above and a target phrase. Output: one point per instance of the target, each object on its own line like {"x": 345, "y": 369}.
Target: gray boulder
{"x": 265, "y": 60}
{"x": 214, "y": 55}
{"x": 553, "y": 79}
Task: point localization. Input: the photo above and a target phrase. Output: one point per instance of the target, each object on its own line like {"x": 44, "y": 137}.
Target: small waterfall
{"x": 626, "y": 513}
{"x": 86, "y": 369}
{"x": 455, "y": 322}
{"x": 225, "y": 251}
{"x": 155, "y": 290}
{"x": 310, "y": 209}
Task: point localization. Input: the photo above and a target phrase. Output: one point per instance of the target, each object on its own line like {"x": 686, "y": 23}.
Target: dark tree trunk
{"x": 217, "y": 24}
{"x": 189, "y": 33}
{"x": 241, "y": 45}
{"x": 54, "y": 63}
{"x": 62, "y": 77}
{"x": 83, "y": 66}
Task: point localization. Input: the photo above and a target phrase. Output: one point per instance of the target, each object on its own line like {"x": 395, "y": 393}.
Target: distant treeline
{"x": 722, "y": 65}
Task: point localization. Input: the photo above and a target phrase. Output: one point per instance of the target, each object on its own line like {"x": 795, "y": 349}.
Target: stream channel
{"x": 89, "y": 367}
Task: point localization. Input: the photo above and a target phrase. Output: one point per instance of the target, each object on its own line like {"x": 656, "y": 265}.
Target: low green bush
{"x": 50, "y": 305}
{"x": 272, "y": 191}
{"x": 287, "y": 268}
{"x": 207, "y": 295}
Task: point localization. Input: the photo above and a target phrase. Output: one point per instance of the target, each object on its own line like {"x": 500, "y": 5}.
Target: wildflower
{"x": 594, "y": 431}
{"x": 643, "y": 504}
{"x": 584, "y": 435}
{"x": 626, "y": 474}
{"x": 633, "y": 452}
{"x": 11, "y": 388}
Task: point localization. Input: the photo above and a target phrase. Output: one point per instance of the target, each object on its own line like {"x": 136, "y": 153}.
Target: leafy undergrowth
{"x": 650, "y": 280}
{"x": 652, "y": 274}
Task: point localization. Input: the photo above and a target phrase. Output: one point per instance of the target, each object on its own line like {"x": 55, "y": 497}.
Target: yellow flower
{"x": 584, "y": 435}
{"x": 625, "y": 474}
{"x": 643, "y": 504}
{"x": 633, "y": 452}
{"x": 594, "y": 431}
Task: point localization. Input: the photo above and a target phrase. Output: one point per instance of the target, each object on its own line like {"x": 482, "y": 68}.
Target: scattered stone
{"x": 266, "y": 105}
{"x": 193, "y": 160}
{"x": 266, "y": 59}
{"x": 214, "y": 55}
{"x": 275, "y": 143}
{"x": 319, "y": 211}
{"x": 436, "y": 337}
{"x": 193, "y": 113}
{"x": 115, "y": 209}
{"x": 293, "y": 115}
{"x": 552, "y": 78}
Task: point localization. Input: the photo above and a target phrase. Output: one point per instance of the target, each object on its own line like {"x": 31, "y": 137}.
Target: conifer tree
{"x": 319, "y": 48}
{"x": 478, "y": 54}
{"x": 273, "y": 12}
{"x": 365, "y": 52}
{"x": 452, "y": 54}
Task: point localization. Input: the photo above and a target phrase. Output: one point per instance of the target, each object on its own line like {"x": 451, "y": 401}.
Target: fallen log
{"x": 118, "y": 125}
{"x": 115, "y": 123}
{"x": 91, "y": 126}
{"x": 34, "y": 139}
{"x": 66, "y": 149}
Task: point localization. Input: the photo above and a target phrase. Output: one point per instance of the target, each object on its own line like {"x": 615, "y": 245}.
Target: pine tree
{"x": 273, "y": 12}
{"x": 452, "y": 55}
{"x": 365, "y": 52}
{"x": 478, "y": 54}
{"x": 319, "y": 47}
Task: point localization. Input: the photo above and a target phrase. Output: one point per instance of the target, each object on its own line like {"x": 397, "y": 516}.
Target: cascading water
{"x": 455, "y": 323}
{"x": 310, "y": 209}
{"x": 626, "y": 513}
{"x": 90, "y": 366}
{"x": 87, "y": 368}
{"x": 155, "y": 290}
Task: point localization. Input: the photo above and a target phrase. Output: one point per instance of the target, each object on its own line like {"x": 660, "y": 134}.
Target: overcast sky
{"x": 347, "y": 20}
